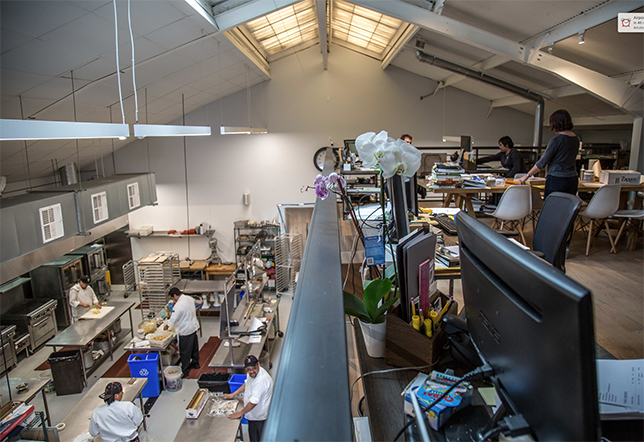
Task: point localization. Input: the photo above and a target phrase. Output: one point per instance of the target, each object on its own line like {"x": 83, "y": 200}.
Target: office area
{"x": 353, "y": 95}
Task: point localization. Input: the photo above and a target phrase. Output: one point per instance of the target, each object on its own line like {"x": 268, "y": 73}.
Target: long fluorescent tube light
{"x": 60, "y": 130}
{"x": 237, "y": 130}
{"x": 164, "y": 130}
{"x": 202, "y": 7}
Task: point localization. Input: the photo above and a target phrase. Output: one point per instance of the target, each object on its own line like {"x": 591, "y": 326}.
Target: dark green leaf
{"x": 374, "y": 293}
{"x": 354, "y": 306}
{"x": 380, "y": 313}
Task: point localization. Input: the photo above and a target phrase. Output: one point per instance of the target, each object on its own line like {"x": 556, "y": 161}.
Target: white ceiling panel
{"x": 191, "y": 75}
{"x": 144, "y": 49}
{"x": 98, "y": 94}
{"x": 91, "y": 5}
{"x": 44, "y": 58}
{"x": 175, "y": 34}
{"x": 162, "y": 88}
{"x": 10, "y": 39}
{"x": 90, "y": 34}
{"x": 39, "y": 17}
{"x": 95, "y": 69}
{"x": 17, "y": 82}
{"x": 147, "y": 16}
{"x": 54, "y": 89}
{"x": 145, "y": 77}
{"x": 167, "y": 64}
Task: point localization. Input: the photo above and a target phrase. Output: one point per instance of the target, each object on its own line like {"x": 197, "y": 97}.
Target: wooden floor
{"x": 616, "y": 282}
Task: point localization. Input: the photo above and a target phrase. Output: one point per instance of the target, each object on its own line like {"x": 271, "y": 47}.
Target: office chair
{"x": 554, "y": 227}
{"x": 602, "y": 205}
{"x": 514, "y": 206}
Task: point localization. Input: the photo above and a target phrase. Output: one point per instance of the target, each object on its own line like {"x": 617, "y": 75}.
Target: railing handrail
{"x": 311, "y": 395}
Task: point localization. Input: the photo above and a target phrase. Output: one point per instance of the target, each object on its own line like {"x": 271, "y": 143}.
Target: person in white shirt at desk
{"x": 116, "y": 421}
{"x": 258, "y": 391}
{"x": 184, "y": 320}
{"x": 82, "y": 297}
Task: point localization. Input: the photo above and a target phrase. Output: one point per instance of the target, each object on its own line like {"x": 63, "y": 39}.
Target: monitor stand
{"x": 467, "y": 424}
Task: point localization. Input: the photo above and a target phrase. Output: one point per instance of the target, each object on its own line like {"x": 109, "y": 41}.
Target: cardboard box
{"x": 623, "y": 177}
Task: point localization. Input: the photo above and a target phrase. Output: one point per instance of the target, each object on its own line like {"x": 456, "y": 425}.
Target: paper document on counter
{"x": 254, "y": 339}
{"x": 620, "y": 387}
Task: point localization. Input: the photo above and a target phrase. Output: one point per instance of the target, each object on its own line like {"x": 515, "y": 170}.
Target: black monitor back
{"x": 534, "y": 326}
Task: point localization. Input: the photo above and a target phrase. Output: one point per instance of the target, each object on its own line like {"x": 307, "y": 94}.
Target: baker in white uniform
{"x": 82, "y": 297}
{"x": 184, "y": 321}
{"x": 258, "y": 391}
{"x": 116, "y": 421}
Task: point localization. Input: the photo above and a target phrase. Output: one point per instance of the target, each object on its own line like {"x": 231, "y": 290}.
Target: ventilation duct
{"x": 43, "y": 225}
{"x": 68, "y": 174}
{"x": 502, "y": 84}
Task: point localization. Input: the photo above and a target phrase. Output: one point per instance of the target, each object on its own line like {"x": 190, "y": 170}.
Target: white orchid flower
{"x": 402, "y": 159}
{"x": 372, "y": 148}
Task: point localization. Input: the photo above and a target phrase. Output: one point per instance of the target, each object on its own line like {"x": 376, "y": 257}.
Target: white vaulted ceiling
{"x": 186, "y": 59}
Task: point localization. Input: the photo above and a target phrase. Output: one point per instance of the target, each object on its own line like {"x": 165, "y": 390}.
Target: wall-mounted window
{"x": 51, "y": 223}
{"x": 133, "y": 197}
{"x": 99, "y": 207}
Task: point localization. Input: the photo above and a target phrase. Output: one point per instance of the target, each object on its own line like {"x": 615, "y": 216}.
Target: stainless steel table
{"x": 77, "y": 421}
{"x": 216, "y": 428}
{"x": 81, "y": 333}
{"x": 222, "y": 358}
{"x": 36, "y": 385}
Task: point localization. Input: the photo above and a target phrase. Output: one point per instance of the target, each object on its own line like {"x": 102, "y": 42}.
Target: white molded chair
{"x": 515, "y": 205}
{"x": 634, "y": 217}
{"x": 537, "y": 202}
{"x": 602, "y": 205}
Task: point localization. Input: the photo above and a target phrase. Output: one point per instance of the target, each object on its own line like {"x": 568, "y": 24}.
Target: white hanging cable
{"x": 248, "y": 96}
{"x": 118, "y": 67}
{"x": 136, "y": 101}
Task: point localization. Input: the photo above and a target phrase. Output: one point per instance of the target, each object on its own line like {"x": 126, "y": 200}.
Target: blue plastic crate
{"x": 236, "y": 381}
{"x": 146, "y": 365}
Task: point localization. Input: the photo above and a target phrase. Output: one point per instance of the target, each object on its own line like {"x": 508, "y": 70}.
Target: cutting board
{"x": 90, "y": 315}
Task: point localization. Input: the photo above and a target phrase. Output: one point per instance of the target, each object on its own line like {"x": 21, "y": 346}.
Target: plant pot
{"x": 374, "y": 338}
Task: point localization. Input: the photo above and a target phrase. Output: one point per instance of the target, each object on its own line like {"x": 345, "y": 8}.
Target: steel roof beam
{"x": 321, "y": 6}
{"x": 612, "y": 91}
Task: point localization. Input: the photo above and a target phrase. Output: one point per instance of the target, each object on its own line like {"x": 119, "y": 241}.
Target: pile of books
{"x": 446, "y": 175}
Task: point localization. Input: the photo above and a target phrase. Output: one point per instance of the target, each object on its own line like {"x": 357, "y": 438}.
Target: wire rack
{"x": 156, "y": 274}
{"x": 288, "y": 258}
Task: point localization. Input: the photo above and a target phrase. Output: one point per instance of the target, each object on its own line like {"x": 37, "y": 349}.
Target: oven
{"x": 94, "y": 265}
{"x": 34, "y": 317}
{"x": 7, "y": 352}
{"x": 53, "y": 280}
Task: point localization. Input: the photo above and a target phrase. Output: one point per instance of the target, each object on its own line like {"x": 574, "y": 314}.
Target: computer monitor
{"x": 411, "y": 194}
{"x": 227, "y": 307}
{"x": 350, "y": 146}
{"x": 534, "y": 326}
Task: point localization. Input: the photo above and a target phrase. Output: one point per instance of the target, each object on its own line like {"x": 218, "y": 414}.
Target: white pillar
{"x": 637, "y": 159}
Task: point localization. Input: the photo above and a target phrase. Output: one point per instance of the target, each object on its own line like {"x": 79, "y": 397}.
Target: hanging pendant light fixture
{"x": 244, "y": 130}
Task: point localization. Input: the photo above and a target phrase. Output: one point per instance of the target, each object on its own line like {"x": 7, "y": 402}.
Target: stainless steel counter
{"x": 191, "y": 286}
{"x": 77, "y": 421}
{"x": 85, "y": 331}
{"x": 218, "y": 428}
{"x": 221, "y": 358}
{"x": 36, "y": 385}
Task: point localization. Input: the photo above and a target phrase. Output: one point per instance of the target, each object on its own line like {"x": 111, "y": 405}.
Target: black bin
{"x": 215, "y": 382}
{"x": 67, "y": 372}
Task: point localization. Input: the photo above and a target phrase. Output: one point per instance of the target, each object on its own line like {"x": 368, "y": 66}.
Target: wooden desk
{"x": 77, "y": 421}
{"x": 216, "y": 271}
{"x": 193, "y": 267}
{"x": 464, "y": 195}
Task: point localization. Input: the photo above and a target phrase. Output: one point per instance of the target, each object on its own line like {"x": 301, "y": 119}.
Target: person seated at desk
{"x": 509, "y": 157}
{"x": 116, "y": 421}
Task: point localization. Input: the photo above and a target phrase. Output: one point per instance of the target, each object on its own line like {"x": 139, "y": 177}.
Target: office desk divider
{"x": 407, "y": 347}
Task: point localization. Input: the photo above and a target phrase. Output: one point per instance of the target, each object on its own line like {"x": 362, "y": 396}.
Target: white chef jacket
{"x": 184, "y": 316}
{"x": 77, "y": 294}
{"x": 258, "y": 391}
{"x": 116, "y": 422}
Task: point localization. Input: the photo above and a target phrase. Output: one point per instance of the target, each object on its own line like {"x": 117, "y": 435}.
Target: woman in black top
{"x": 560, "y": 156}
{"x": 509, "y": 157}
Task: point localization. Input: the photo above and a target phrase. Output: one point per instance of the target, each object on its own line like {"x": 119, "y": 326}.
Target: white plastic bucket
{"x": 173, "y": 380}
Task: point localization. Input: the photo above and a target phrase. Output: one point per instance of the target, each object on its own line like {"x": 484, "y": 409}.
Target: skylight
{"x": 363, "y": 28}
{"x": 285, "y": 28}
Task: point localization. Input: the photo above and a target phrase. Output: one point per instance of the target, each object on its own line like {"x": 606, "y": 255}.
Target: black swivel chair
{"x": 554, "y": 227}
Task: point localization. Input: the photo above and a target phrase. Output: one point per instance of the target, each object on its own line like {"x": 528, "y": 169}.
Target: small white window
{"x": 99, "y": 207}
{"x": 51, "y": 223}
{"x": 133, "y": 197}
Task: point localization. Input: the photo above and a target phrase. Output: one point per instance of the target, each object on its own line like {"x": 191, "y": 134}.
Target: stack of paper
{"x": 620, "y": 386}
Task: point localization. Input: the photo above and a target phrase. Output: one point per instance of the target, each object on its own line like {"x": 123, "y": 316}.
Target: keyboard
{"x": 447, "y": 224}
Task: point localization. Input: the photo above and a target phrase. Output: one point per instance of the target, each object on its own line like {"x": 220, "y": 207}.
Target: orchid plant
{"x": 392, "y": 157}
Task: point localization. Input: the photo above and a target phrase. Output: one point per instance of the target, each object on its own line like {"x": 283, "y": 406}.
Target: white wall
{"x": 303, "y": 106}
